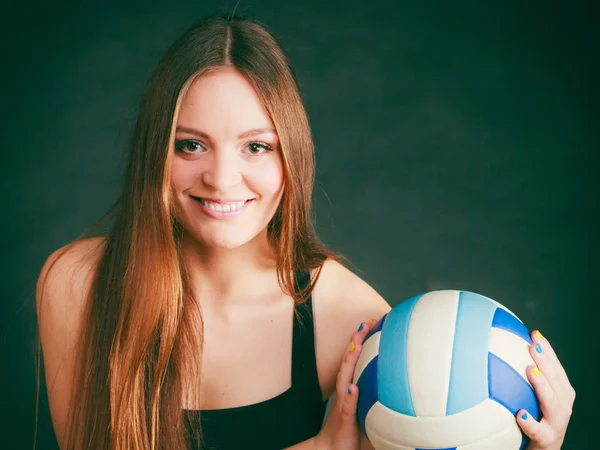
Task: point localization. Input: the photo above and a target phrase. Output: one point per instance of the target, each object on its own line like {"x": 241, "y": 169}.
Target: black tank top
{"x": 282, "y": 421}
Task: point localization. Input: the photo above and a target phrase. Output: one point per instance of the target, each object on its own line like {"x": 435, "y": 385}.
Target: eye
{"x": 256, "y": 148}
{"x": 187, "y": 146}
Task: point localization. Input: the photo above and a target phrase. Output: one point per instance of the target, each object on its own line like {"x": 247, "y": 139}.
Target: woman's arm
{"x": 341, "y": 302}
{"x": 340, "y": 430}
{"x": 62, "y": 286}
{"x": 345, "y": 307}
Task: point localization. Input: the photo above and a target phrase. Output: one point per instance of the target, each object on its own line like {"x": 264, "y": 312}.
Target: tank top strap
{"x": 305, "y": 378}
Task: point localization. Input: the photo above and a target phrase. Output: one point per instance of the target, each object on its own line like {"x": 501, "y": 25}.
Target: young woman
{"x": 211, "y": 316}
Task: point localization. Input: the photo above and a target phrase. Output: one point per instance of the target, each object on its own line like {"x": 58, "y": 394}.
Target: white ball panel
{"x": 381, "y": 444}
{"x": 369, "y": 351}
{"x": 429, "y": 351}
{"x": 512, "y": 349}
{"x": 509, "y": 439}
{"x": 475, "y": 424}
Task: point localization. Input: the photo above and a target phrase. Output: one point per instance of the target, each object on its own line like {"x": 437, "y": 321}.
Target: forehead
{"x": 223, "y": 102}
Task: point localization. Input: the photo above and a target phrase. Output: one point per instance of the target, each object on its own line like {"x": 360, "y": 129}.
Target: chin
{"x": 225, "y": 241}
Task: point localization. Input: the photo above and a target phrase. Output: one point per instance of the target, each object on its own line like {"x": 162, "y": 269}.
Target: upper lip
{"x": 222, "y": 200}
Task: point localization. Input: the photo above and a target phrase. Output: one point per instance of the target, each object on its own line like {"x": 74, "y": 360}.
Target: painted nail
{"x": 538, "y": 348}
{"x": 536, "y": 371}
{"x": 349, "y": 391}
{"x": 370, "y": 323}
{"x": 524, "y": 416}
{"x": 360, "y": 328}
{"x": 352, "y": 347}
{"x": 538, "y": 335}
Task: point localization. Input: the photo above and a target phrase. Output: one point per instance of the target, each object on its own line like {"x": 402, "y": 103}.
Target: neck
{"x": 221, "y": 278}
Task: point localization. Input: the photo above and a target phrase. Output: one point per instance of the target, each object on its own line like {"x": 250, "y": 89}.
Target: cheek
{"x": 270, "y": 178}
{"x": 181, "y": 175}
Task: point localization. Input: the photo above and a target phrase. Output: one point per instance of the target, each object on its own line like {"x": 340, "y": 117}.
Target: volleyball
{"x": 445, "y": 370}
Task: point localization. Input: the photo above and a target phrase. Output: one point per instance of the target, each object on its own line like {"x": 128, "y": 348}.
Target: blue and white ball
{"x": 445, "y": 370}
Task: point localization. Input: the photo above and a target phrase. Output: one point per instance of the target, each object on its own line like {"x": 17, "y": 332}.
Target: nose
{"x": 222, "y": 170}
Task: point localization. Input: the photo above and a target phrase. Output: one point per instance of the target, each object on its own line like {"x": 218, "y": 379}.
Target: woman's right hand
{"x": 341, "y": 430}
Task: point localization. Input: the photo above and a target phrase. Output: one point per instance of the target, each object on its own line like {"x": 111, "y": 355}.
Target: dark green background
{"x": 456, "y": 148}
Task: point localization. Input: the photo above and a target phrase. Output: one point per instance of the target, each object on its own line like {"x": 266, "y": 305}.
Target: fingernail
{"x": 361, "y": 327}
{"x": 370, "y": 322}
{"x": 352, "y": 347}
{"x": 524, "y": 416}
{"x": 349, "y": 391}
{"x": 538, "y": 348}
{"x": 536, "y": 371}
{"x": 538, "y": 335}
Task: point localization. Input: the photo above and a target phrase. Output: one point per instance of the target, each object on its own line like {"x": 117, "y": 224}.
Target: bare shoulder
{"x": 346, "y": 296}
{"x": 67, "y": 273}
{"x": 63, "y": 285}
{"x": 341, "y": 301}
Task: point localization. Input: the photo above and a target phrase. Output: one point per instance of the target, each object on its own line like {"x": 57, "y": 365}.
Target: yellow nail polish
{"x": 352, "y": 346}
{"x": 538, "y": 335}
{"x": 370, "y": 323}
{"x": 536, "y": 371}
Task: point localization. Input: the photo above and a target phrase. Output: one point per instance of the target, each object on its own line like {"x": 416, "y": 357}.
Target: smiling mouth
{"x": 222, "y": 206}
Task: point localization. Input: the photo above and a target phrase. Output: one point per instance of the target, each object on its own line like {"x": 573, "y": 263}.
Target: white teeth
{"x": 227, "y": 207}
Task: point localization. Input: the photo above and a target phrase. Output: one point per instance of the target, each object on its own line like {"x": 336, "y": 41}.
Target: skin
{"x": 213, "y": 159}
{"x": 233, "y": 274}
{"x": 555, "y": 396}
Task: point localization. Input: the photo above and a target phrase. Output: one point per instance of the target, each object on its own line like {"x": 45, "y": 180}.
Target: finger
{"x": 540, "y": 433}
{"x": 349, "y": 404}
{"x": 363, "y": 331}
{"x": 346, "y": 372}
{"x": 546, "y": 363}
{"x": 547, "y": 399}
{"x": 537, "y": 337}
{"x": 547, "y": 349}
{"x": 543, "y": 354}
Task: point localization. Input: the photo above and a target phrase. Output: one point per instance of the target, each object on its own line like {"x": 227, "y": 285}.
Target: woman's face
{"x": 227, "y": 170}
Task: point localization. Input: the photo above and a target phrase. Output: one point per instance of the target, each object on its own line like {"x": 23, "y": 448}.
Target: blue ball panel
{"x": 509, "y": 388}
{"x": 448, "y": 448}
{"x": 367, "y": 391}
{"x": 469, "y": 373}
{"x": 394, "y": 390}
{"x": 510, "y": 323}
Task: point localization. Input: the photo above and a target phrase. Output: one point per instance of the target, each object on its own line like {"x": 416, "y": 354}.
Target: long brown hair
{"x": 140, "y": 343}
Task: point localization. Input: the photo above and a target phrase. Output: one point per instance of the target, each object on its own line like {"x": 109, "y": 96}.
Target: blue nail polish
{"x": 524, "y": 416}
{"x": 349, "y": 391}
{"x": 538, "y": 348}
{"x": 361, "y": 327}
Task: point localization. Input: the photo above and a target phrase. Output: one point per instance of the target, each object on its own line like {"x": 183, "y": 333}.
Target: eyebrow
{"x": 245, "y": 134}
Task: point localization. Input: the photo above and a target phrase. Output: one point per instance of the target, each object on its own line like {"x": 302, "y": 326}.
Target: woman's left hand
{"x": 555, "y": 396}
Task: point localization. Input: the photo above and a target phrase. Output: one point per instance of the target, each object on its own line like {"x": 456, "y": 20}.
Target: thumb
{"x": 349, "y": 405}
